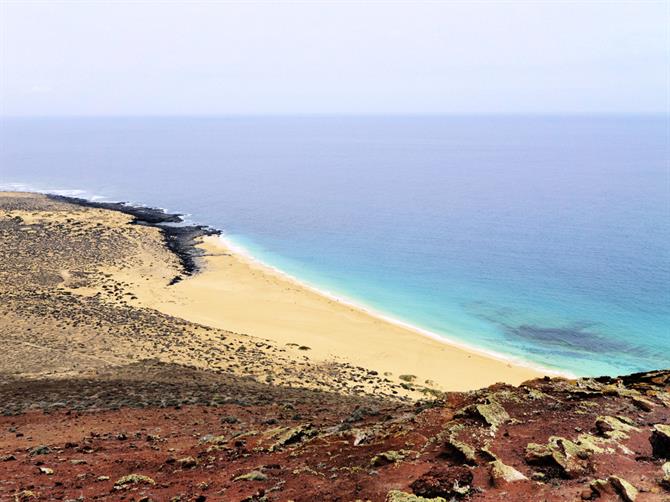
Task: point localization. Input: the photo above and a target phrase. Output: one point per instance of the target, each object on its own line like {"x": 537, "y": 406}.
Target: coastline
{"x": 239, "y": 294}
{"x": 80, "y": 345}
{"x": 231, "y": 246}
{"x": 447, "y": 363}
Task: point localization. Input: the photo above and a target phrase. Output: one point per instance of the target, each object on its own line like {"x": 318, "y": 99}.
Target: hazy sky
{"x": 216, "y": 57}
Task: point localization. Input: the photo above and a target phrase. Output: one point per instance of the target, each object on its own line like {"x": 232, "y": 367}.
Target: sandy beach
{"x": 123, "y": 274}
{"x": 237, "y": 293}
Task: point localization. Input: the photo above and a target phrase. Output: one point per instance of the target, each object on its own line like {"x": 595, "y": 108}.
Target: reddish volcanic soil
{"x": 262, "y": 442}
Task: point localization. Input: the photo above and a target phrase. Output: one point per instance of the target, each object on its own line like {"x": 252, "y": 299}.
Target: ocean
{"x": 542, "y": 239}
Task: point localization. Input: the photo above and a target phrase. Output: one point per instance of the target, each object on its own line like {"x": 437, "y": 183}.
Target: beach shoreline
{"x": 229, "y": 245}
{"x": 226, "y": 287}
{"x": 238, "y": 293}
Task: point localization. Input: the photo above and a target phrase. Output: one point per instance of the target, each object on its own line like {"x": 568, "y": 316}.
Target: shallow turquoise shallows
{"x": 544, "y": 239}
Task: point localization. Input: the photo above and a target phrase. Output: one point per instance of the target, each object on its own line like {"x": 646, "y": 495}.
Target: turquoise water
{"x": 545, "y": 239}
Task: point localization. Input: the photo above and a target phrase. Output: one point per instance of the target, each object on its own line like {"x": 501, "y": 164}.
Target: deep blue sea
{"x": 546, "y": 239}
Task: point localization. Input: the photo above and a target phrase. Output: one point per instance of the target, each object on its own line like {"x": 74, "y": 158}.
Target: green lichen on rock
{"x": 134, "y": 479}
{"x": 614, "y": 427}
{"x": 660, "y": 441}
{"x": 570, "y": 457}
{"x": 187, "y": 462}
{"x": 287, "y": 436}
{"x": 252, "y": 476}
{"x": 24, "y": 495}
{"x": 625, "y": 490}
{"x": 388, "y": 457}
{"x": 643, "y": 404}
{"x": 398, "y": 496}
{"x": 614, "y": 485}
{"x": 666, "y": 475}
{"x": 40, "y": 450}
{"x": 215, "y": 439}
{"x": 492, "y": 413}
{"x": 502, "y": 474}
{"x": 463, "y": 450}
{"x": 537, "y": 395}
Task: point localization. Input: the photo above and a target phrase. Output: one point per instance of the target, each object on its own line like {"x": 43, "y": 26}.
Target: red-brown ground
{"x": 312, "y": 446}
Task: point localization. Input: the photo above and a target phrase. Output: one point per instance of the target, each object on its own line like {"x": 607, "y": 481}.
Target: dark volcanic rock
{"x": 660, "y": 441}
{"x": 443, "y": 482}
{"x": 180, "y": 239}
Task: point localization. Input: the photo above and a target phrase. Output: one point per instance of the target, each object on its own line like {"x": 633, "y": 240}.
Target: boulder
{"x": 25, "y": 495}
{"x": 464, "y": 451}
{"x": 614, "y": 427}
{"x": 666, "y": 475}
{"x": 251, "y": 476}
{"x": 501, "y": 474}
{"x": 643, "y": 404}
{"x": 569, "y": 457}
{"x": 601, "y": 487}
{"x": 292, "y": 435}
{"x": 187, "y": 462}
{"x": 444, "y": 482}
{"x": 40, "y": 450}
{"x": 614, "y": 485}
{"x": 398, "y": 496}
{"x": 134, "y": 479}
{"x": 660, "y": 441}
{"x": 625, "y": 490}
{"x": 492, "y": 413}
{"x": 387, "y": 457}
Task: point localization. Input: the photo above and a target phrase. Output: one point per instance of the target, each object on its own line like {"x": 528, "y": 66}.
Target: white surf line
{"x": 445, "y": 339}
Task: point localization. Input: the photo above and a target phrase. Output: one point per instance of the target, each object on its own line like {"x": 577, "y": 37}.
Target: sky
{"x": 346, "y": 57}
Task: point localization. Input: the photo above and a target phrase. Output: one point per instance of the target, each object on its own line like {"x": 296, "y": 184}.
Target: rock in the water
{"x": 660, "y": 441}
{"x": 444, "y": 482}
{"x": 502, "y": 474}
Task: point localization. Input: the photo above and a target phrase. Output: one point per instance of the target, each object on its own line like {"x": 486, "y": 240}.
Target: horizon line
{"x": 344, "y": 115}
